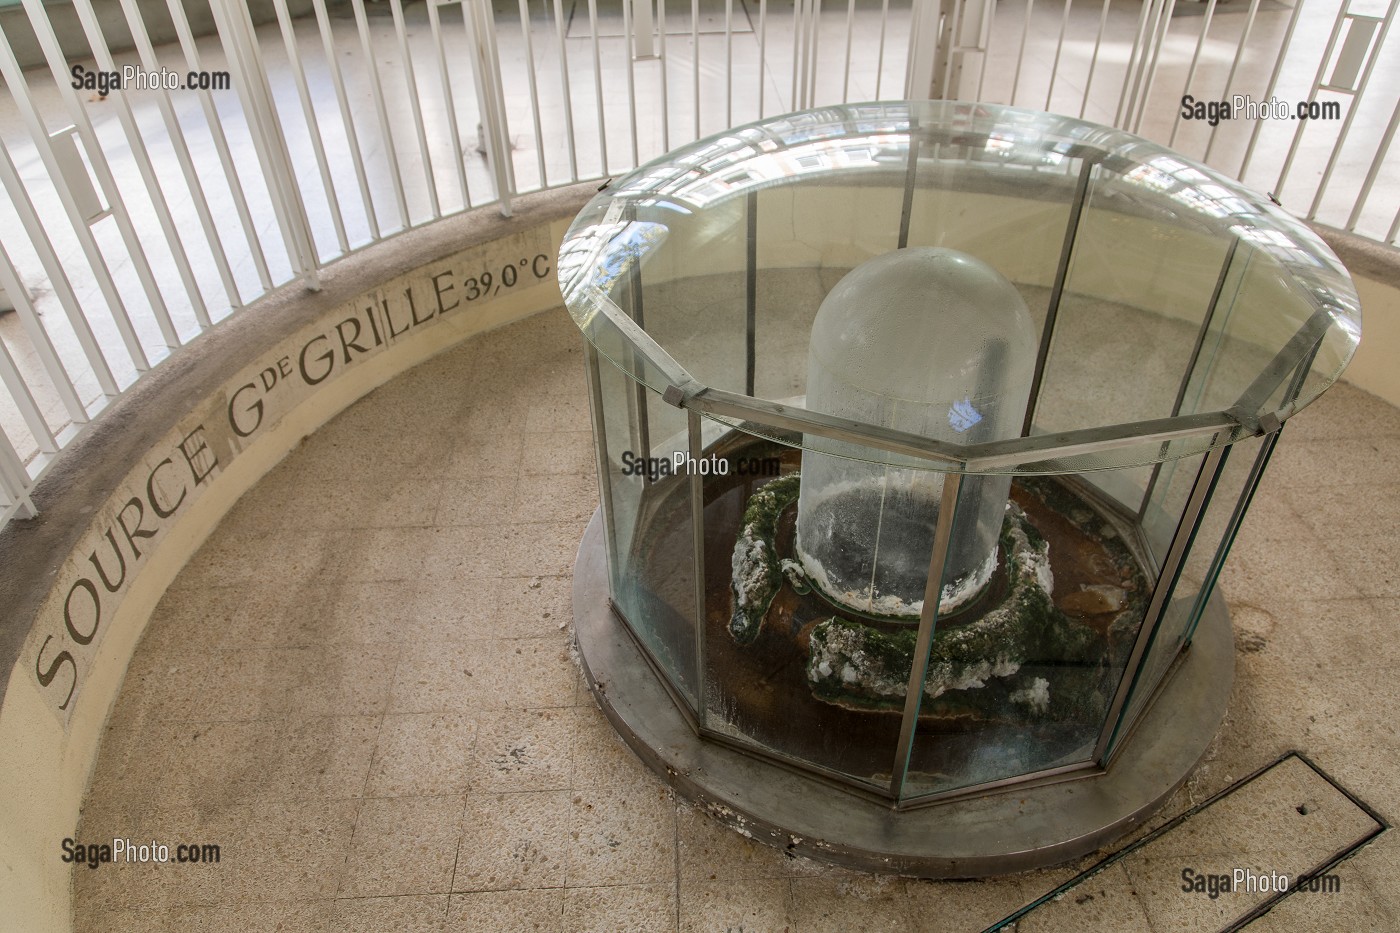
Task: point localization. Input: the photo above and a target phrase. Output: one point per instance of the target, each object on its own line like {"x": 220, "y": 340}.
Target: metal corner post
{"x": 1227, "y": 540}
{"x": 918, "y": 669}
{"x": 1189, "y": 372}
{"x": 1057, "y": 290}
{"x": 1185, "y": 534}
{"x": 750, "y": 290}
{"x": 600, "y": 448}
{"x": 695, "y": 431}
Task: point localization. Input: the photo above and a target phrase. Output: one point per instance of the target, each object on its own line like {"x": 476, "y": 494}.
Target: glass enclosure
{"x": 924, "y": 428}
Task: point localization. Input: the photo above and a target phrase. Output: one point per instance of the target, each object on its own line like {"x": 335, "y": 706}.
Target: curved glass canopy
{"x": 1173, "y": 311}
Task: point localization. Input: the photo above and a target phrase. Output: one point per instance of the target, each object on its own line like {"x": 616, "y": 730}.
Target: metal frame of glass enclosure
{"x": 1274, "y": 325}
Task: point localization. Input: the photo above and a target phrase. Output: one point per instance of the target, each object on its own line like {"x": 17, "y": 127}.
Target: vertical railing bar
{"x": 216, "y": 130}
{"x": 695, "y": 64}
{"x": 815, "y": 25}
{"x": 496, "y": 76}
{"x": 244, "y": 57}
{"x": 665, "y": 66}
{"x": 1166, "y": 581}
{"x": 141, "y": 156}
{"x": 1317, "y": 82}
{"x": 484, "y": 74}
{"x": 1057, "y": 290}
{"x": 14, "y": 79}
{"x": 313, "y": 125}
{"x": 15, "y": 479}
{"x": 1394, "y": 229}
{"x": 347, "y": 121}
{"x": 989, "y": 24}
{"x": 24, "y": 401}
{"x": 1195, "y": 60}
{"x": 695, "y": 432}
{"x": 1351, "y": 110}
{"x": 415, "y": 108}
{"x": 280, "y": 152}
{"x": 880, "y": 54}
{"x": 798, "y": 49}
{"x": 762, "y": 52}
{"x": 176, "y": 134}
{"x": 598, "y": 83}
{"x": 53, "y": 54}
{"x": 449, "y": 103}
{"x": 1093, "y": 59}
{"x": 1374, "y": 171}
{"x": 1151, "y": 76}
{"x": 1133, "y": 63}
{"x": 1185, "y": 384}
{"x": 750, "y": 290}
{"x": 525, "y": 28}
{"x": 1021, "y": 56}
{"x": 39, "y": 337}
{"x": 628, "y": 47}
{"x": 1059, "y": 47}
{"x": 923, "y": 645}
{"x": 954, "y": 26}
{"x": 376, "y": 90}
{"x": 41, "y": 341}
{"x": 568, "y": 95}
{"x": 1273, "y": 82}
{"x": 850, "y": 31}
{"x": 57, "y": 274}
{"x": 728, "y": 63}
{"x": 1234, "y": 66}
{"x": 1146, "y": 40}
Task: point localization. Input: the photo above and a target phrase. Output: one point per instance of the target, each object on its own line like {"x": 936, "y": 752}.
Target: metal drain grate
{"x": 1217, "y": 866}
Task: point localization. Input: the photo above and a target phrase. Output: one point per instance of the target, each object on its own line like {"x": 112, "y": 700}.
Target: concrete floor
{"x": 362, "y": 689}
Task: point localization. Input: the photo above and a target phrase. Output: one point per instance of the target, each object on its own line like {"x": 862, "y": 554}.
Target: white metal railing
{"x": 133, "y": 222}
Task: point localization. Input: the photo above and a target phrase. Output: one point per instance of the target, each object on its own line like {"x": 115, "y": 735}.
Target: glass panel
{"x": 1011, "y": 216}
{"x": 1194, "y": 586}
{"x": 653, "y": 558}
{"x": 1138, "y": 288}
{"x": 1162, "y": 514}
{"x": 695, "y": 285}
{"x": 1021, "y": 679}
{"x": 798, "y": 263}
{"x": 764, "y": 689}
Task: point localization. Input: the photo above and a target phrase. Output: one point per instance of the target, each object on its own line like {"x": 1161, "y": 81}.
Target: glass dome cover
{"x": 1175, "y": 310}
{"x": 930, "y": 341}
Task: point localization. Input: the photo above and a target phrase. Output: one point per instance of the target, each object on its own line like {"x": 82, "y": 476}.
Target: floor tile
{"x": 403, "y": 845}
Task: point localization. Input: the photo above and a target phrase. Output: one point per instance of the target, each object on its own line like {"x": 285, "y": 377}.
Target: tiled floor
{"x": 362, "y": 689}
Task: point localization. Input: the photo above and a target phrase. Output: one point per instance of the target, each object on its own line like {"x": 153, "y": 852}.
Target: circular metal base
{"x": 1015, "y": 829}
